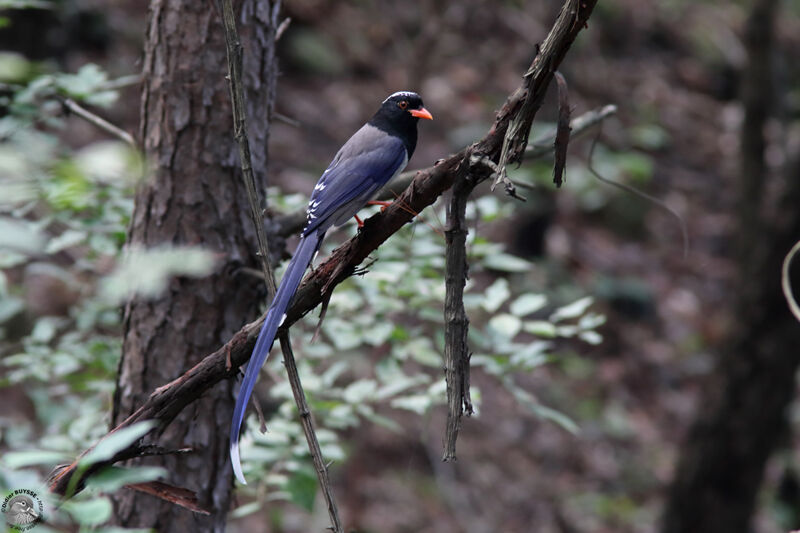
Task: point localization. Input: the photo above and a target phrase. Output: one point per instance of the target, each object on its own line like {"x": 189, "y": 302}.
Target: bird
{"x": 375, "y": 154}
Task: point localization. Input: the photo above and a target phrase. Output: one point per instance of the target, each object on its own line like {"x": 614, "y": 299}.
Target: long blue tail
{"x": 275, "y": 316}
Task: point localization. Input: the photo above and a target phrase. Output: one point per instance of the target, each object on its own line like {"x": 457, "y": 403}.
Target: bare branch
{"x": 649, "y": 197}
{"x": 562, "y": 131}
{"x": 456, "y": 322}
{"x": 786, "y": 283}
{"x": 121, "y": 82}
{"x": 311, "y": 437}
{"x": 545, "y": 144}
{"x": 100, "y": 122}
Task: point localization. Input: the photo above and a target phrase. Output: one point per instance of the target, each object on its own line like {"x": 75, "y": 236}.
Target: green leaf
{"x": 540, "y": 328}
{"x": 86, "y": 85}
{"x": 422, "y": 351}
{"x": 115, "y": 529}
{"x": 417, "y": 403}
{"x": 113, "y": 477}
{"x": 492, "y": 364}
{"x": 649, "y": 136}
{"x": 359, "y": 391}
{"x": 525, "y": 398}
{"x": 10, "y": 307}
{"x": 66, "y": 240}
{"x": 145, "y": 272}
{"x": 116, "y": 441}
{"x": 530, "y": 355}
{"x": 592, "y": 337}
{"x": 20, "y": 236}
{"x": 89, "y": 512}
{"x": 22, "y": 459}
{"x": 573, "y": 310}
{"x": 495, "y": 295}
{"x": 14, "y": 67}
{"x": 527, "y": 304}
{"x": 399, "y": 384}
{"x": 302, "y": 488}
{"x": 506, "y": 325}
{"x": 507, "y": 263}
{"x": 45, "y": 329}
{"x": 246, "y": 509}
{"x": 556, "y": 416}
{"x": 379, "y": 420}
{"x": 26, "y": 4}
{"x": 636, "y": 165}
{"x": 591, "y": 321}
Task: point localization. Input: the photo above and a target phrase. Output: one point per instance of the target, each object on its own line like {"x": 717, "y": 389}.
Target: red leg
{"x": 383, "y": 204}
{"x": 359, "y": 221}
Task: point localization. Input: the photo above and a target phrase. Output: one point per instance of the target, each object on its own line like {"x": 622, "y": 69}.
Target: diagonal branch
{"x": 167, "y": 401}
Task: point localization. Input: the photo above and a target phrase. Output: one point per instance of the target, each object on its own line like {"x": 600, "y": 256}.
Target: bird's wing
{"x": 363, "y": 165}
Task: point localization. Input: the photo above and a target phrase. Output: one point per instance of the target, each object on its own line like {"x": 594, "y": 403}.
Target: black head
{"x": 399, "y": 114}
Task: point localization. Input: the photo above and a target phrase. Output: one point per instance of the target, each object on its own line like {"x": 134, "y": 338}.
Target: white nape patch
{"x": 283, "y": 319}
{"x": 407, "y": 94}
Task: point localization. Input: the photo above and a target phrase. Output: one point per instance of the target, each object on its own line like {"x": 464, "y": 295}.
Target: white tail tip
{"x": 237, "y": 464}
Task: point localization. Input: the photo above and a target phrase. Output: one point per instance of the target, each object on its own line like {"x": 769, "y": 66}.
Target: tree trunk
{"x": 744, "y": 417}
{"x": 194, "y": 196}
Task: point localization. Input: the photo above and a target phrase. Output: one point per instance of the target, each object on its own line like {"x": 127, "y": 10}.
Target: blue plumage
{"x": 368, "y": 160}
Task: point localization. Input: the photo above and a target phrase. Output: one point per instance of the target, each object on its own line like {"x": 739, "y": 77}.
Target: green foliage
{"x": 381, "y": 348}
{"x": 63, "y": 219}
{"x": 146, "y": 272}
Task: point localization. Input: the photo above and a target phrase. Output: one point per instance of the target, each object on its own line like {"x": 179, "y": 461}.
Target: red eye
{"x": 402, "y": 104}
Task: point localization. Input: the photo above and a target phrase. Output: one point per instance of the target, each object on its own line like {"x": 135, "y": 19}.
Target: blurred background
{"x": 619, "y": 378}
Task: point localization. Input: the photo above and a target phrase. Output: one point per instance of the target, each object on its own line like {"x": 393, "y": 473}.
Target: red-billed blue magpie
{"x": 368, "y": 160}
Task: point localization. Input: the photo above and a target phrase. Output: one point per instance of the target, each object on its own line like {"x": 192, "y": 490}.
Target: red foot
{"x": 359, "y": 221}
{"x": 381, "y": 203}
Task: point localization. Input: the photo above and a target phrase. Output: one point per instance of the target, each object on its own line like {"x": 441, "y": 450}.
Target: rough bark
{"x": 195, "y": 196}
{"x": 743, "y": 418}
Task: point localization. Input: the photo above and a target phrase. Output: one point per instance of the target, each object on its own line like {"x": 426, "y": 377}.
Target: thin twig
{"x": 311, "y": 437}
{"x": 286, "y": 119}
{"x": 234, "y": 49}
{"x": 633, "y": 190}
{"x": 786, "y": 283}
{"x": 100, "y": 122}
{"x": 282, "y": 28}
{"x": 121, "y": 82}
{"x": 543, "y": 145}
